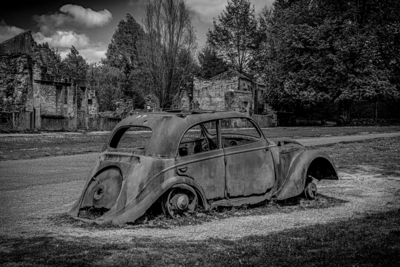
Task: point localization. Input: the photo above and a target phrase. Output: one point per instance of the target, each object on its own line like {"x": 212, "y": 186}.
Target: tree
{"x": 74, "y": 65}
{"x": 261, "y": 54}
{"x": 324, "y": 52}
{"x": 210, "y": 63}
{"x": 123, "y": 53}
{"x": 167, "y": 51}
{"x": 234, "y": 34}
{"x": 105, "y": 80}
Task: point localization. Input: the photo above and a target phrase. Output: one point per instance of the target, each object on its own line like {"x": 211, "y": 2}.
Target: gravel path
{"x": 365, "y": 194}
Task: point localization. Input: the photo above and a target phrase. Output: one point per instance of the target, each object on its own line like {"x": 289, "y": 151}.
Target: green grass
{"x": 370, "y": 241}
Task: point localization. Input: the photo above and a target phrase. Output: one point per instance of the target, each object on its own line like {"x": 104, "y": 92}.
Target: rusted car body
{"x": 193, "y": 159}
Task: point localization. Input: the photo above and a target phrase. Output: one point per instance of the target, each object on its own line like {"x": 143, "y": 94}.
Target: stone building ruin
{"x": 233, "y": 91}
{"x": 32, "y": 93}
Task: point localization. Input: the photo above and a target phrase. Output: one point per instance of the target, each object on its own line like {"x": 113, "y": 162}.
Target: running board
{"x": 240, "y": 201}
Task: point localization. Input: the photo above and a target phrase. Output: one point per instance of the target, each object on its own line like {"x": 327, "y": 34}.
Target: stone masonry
{"x": 230, "y": 91}
{"x": 34, "y": 95}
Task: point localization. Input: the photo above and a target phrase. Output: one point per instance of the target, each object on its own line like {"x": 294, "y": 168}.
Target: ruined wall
{"x": 92, "y": 104}
{"x": 15, "y": 82}
{"x": 20, "y": 44}
{"x": 30, "y": 84}
{"x": 48, "y": 100}
{"x": 223, "y": 94}
{"x": 152, "y": 102}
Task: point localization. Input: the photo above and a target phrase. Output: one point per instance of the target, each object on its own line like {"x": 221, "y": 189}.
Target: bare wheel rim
{"x": 310, "y": 190}
{"x": 179, "y": 201}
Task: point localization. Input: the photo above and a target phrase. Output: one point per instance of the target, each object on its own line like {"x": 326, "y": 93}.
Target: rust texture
{"x": 194, "y": 159}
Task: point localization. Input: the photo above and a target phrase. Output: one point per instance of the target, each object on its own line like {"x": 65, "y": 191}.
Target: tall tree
{"x": 234, "y": 34}
{"x": 74, "y": 65}
{"x": 123, "y": 53}
{"x": 167, "y": 52}
{"x": 322, "y": 52}
{"x": 210, "y": 63}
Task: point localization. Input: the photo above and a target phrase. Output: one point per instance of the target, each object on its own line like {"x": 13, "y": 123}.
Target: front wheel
{"x": 310, "y": 190}
{"x": 178, "y": 201}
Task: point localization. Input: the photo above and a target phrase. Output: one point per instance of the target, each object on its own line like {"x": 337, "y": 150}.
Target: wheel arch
{"x": 138, "y": 207}
{"x": 310, "y": 161}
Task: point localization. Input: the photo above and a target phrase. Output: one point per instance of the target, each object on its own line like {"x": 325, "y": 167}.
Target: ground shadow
{"x": 373, "y": 240}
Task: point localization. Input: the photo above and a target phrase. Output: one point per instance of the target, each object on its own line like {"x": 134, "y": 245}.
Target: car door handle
{"x": 183, "y": 169}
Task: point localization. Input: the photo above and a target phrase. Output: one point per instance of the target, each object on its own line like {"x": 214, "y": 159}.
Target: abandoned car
{"x": 184, "y": 160}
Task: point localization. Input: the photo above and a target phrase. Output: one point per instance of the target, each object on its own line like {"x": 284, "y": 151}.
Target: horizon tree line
{"x": 312, "y": 55}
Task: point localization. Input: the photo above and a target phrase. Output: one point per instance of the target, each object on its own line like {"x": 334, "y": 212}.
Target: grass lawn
{"x": 371, "y": 241}
{"x": 367, "y": 240}
{"x": 57, "y": 144}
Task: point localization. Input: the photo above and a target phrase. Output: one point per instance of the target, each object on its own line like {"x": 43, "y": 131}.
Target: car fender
{"x": 296, "y": 176}
{"x": 74, "y": 211}
{"x": 150, "y": 194}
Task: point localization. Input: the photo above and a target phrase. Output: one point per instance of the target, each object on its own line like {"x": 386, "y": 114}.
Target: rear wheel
{"x": 178, "y": 201}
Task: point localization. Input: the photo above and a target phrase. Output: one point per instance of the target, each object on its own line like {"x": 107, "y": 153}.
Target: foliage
{"x": 123, "y": 54}
{"x": 210, "y": 63}
{"x": 74, "y": 65}
{"x": 321, "y": 52}
{"x": 235, "y": 34}
{"x": 167, "y": 51}
{"x": 105, "y": 79}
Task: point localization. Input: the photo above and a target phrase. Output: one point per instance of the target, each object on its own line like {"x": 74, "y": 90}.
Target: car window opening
{"x": 133, "y": 139}
{"x": 199, "y": 138}
{"x": 238, "y": 131}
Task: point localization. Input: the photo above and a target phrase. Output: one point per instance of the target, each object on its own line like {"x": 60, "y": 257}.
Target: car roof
{"x": 168, "y": 127}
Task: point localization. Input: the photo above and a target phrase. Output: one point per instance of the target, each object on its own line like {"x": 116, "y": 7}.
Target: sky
{"x": 89, "y": 24}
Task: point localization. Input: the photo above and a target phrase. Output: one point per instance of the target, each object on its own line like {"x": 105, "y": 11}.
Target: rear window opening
{"x": 133, "y": 139}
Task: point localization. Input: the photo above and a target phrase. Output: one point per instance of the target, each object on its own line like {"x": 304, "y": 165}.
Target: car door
{"x": 201, "y": 157}
{"x": 249, "y": 166}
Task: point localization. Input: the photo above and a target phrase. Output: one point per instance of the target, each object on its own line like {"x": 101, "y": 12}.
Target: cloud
{"x": 90, "y": 54}
{"x": 87, "y": 17}
{"x": 62, "y": 30}
{"x": 7, "y": 32}
{"x": 209, "y": 9}
{"x": 63, "y": 40}
{"x": 94, "y": 53}
{"x": 72, "y": 17}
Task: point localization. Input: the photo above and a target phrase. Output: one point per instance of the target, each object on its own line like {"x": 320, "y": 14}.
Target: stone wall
{"x": 15, "y": 82}
{"x": 92, "y": 103}
{"x": 30, "y": 82}
{"x": 15, "y": 121}
{"x": 230, "y": 90}
{"x": 224, "y": 94}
